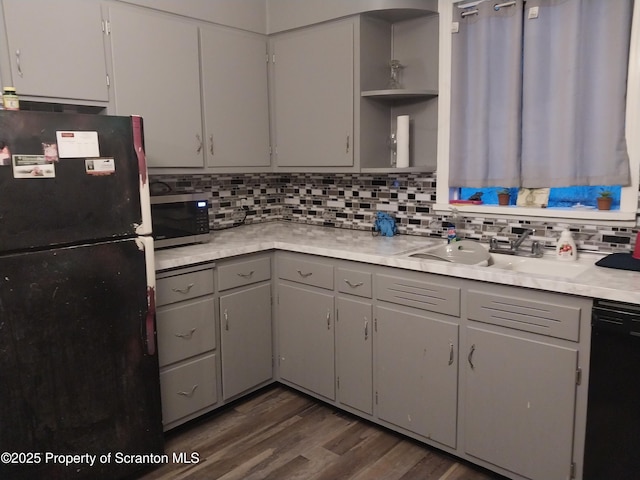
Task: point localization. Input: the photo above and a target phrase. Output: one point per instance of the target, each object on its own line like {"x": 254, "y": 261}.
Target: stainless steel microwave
{"x": 180, "y": 219}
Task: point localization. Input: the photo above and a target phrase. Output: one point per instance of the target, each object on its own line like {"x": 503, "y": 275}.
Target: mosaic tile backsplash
{"x": 352, "y": 200}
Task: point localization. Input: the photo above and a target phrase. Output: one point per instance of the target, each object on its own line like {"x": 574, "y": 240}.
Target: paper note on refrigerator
{"x": 77, "y": 144}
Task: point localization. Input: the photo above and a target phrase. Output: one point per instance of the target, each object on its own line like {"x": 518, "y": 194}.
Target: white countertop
{"x": 596, "y": 282}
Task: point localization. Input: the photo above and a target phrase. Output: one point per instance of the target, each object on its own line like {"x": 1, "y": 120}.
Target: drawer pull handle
{"x": 304, "y": 275}
{"x": 189, "y": 394}
{"x": 226, "y": 320}
{"x": 186, "y": 336}
{"x": 470, "y": 357}
{"x": 183, "y": 290}
{"x": 450, "y": 353}
{"x": 328, "y": 320}
{"x": 246, "y": 275}
{"x": 353, "y": 285}
{"x": 366, "y": 328}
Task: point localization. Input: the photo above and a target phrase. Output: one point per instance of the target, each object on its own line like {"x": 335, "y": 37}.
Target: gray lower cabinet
{"x": 519, "y": 403}
{"x": 488, "y": 372}
{"x": 306, "y": 338}
{"x": 246, "y": 340}
{"x": 521, "y": 380}
{"x": 354, "y": 353}
{"x": 187, "y": 345}
{"x": 56, "y": 49}
{"x": 417, "y": 372}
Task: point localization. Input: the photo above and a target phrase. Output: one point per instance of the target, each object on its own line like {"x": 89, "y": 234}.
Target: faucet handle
{"x": 536, "y": 248}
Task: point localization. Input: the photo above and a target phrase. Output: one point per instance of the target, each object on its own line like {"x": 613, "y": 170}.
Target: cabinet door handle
{"x": 353, "y": 285}
{"x": 366, "y": 328}
{"x": 328, "y": 320}
{"x": 304, "y": 275}
{"x": 348, "y": 143}
{"x": 226, "y": 320}
{"x": 18, "y": 62}
{"x": 470, "y": 357}
{"x": 189, "y": 394}
{"x": 186, "y": 336}
{"x": 183, "y": 290}
{"x": 199, "y": 149}
{"x": 211, "y": 144}
{"x": 246, "y": 275}
{"x": 450, "y": 353}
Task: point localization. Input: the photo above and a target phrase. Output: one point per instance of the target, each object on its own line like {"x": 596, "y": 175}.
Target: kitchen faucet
{"x": 514, "y": 246}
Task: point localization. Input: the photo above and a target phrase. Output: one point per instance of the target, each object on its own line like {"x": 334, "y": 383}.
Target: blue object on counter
{"x": 385, "y": 224}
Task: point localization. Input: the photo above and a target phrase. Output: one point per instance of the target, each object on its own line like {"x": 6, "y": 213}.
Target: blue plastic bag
{"x": 385, "y": 225}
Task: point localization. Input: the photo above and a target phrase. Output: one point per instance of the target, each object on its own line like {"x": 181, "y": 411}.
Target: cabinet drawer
{"x": 237, "y": 274}
{"x": 520, "y": 311}
{"x": 184, "y": 286}
{"x": 188, "y": 388}
{"x": 305, "y": 271}
{"x": 419, "y": 294}
{"x": 354, "y": 282}
{"x": 185, "y": 330}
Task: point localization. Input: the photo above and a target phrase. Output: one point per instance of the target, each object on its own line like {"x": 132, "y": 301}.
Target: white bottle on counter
{"x": 566, "y": 247}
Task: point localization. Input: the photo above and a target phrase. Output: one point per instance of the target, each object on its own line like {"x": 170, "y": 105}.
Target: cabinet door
{"x": 354, "y": 353}
{"x": 417, "y": 373}
{"x": 245, "y": 339}
{"x": 521, "y": 394}
{"x": 313, "y": 96}
{"x": 156, "y": 74}
{"x": 56, "y": 48}
{"x": 235, "y": 97}
{"x": 305, "y": 339}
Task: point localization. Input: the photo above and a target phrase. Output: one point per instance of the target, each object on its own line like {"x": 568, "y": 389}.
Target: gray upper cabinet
{"x": 313, "y": 88}
{"x": 156, "y": 74}
{"x": 56, "y": 52}
{"x": 235, "y": 97}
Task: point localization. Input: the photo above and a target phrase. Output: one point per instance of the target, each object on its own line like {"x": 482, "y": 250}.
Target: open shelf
{"x": 399, "y": 94}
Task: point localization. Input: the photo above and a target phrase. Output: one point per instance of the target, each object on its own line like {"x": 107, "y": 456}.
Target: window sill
{"x": 565, "y": 215}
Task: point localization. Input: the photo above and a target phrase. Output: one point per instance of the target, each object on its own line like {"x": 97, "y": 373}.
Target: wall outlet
{"x": 244, "y": 202}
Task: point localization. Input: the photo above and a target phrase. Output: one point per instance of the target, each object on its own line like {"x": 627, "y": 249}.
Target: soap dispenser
{"x": 566, "y": 247}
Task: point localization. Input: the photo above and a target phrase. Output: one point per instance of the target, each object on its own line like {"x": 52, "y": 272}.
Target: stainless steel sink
{"x": 538, "y": 266}
{"x": 466, "y": 252}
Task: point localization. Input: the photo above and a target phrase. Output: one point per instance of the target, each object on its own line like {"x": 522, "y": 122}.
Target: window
{"x": 626, "y": 197}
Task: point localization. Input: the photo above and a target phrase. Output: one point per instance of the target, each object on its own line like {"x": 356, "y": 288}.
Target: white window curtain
{"x": 575, "y": 59}
{"x": 486, "y": 82}
{"x": 538, "y": 100}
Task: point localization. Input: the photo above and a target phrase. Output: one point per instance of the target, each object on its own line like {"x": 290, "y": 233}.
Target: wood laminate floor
{"x": 280, "y": 434}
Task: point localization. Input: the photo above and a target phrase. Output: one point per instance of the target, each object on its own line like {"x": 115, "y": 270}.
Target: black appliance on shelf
{"x": 78, "y": 363}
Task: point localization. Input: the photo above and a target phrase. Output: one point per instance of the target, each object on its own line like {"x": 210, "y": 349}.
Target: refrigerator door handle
{"x": 150, "y": 338}
{"x": 149, "y": 327}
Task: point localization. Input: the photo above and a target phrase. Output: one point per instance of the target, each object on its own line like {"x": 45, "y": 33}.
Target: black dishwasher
{"x": 612, "y": 449}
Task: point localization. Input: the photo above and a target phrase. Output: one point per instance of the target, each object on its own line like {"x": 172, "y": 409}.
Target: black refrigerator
{"x": 79, "y": 381}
